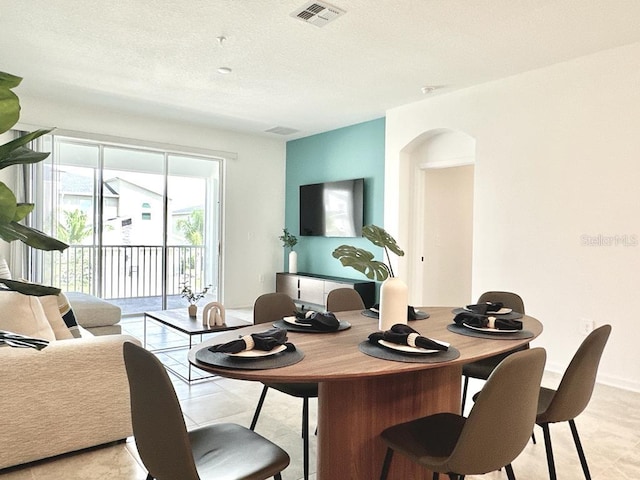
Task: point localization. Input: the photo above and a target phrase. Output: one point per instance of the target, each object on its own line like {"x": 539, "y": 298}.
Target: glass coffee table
{"x": 179, "y": 320}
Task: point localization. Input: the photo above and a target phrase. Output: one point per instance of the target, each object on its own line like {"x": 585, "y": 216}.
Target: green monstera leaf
{"x": 380, "y": 238}
{"x": 362, "y": 260}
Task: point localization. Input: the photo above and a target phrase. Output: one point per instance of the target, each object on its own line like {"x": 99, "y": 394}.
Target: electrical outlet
{"x": 586, "y": 326}
{"x": 261, "y": 278}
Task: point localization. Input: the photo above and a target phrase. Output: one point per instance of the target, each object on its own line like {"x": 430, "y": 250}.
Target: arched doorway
{"x": 439, "y": 169}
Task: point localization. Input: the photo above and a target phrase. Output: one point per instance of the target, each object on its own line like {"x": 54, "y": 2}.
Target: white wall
{"x": 557, "y": 166}
{"x": 253, "y": 189}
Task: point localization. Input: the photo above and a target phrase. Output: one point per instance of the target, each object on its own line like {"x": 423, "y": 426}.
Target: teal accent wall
{"x": 356, "y": 151}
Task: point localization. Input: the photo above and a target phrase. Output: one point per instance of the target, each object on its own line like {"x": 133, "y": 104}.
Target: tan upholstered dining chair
{"x": 169, "y": 452}
{"x": 344, "y": 299}
{"x": 573, "y": 394}
{"x": 269, "y": 308}
{"x": 481, "y": 369}
{"x": 497, "y": 429}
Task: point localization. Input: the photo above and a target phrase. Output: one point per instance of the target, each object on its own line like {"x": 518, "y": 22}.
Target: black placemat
{"x": 506, "y": 316}
{"x": 462, "y": 330}
{"x": 294, "y": 328}
{"x": 384, "y": 353}
{"x": 420, "y": 315}
{"x": 219, "y": 359}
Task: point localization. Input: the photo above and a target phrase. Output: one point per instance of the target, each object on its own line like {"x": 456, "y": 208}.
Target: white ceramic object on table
{"x": 394, "y": 300}
{"x": 213, "y": 315}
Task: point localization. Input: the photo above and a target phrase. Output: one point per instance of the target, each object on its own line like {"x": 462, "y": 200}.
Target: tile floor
{"x": 609, "y": 428}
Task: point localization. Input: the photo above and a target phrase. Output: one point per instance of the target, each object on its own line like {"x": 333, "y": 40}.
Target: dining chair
{"x": 573, "y": 394}
{"x": 269, "y": 308}
{"x": 168, "y": 451}
{"x": 491, "y": 437}
{"x": 481, "y": 369}
{"x": 344, "y": 299}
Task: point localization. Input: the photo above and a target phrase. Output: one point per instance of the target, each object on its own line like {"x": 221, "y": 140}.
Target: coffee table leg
{"x": 351, "y": 415}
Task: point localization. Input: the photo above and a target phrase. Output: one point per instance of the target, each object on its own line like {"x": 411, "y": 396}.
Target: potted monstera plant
{"x": 16, "y": 152}
{"x": 393, "y": 292}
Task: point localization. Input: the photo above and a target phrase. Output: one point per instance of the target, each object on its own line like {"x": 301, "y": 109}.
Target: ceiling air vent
{"x": 317, "y": 13}
{"x": 282, "y": 130}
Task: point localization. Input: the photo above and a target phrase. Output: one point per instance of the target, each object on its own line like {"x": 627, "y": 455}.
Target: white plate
{"x": 489, "y": 330}
{"x": 502, "y": 311}
{"x": 407, "y": 348}
{"x": 258, "y": 353}
{"x": 294, "y": 321}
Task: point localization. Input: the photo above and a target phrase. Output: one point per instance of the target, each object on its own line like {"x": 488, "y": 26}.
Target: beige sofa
{"x": 70, "y": 395}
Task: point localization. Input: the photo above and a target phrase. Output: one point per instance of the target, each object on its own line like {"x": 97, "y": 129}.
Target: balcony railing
{"x": 128, "y": 271}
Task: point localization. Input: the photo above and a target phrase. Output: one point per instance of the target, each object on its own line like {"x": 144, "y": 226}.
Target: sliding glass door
{"x": 140, "y": 222}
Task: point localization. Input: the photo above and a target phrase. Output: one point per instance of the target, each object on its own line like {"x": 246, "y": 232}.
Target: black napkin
{"x": 321, "y": 321}
{"x": 399, "y": 334}
{"x": 21, "y": 341}
{"x": 266, "y": 341}
{"x": 411, "y": 312}
{"x": 485, "y": 308}
{"x": 485, "y": 321}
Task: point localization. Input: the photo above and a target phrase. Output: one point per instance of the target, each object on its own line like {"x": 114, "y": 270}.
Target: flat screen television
{"x": 332, "y": 209}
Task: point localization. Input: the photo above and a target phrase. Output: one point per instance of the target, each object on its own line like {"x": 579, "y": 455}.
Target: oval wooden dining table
{"x": 359, "y": 395}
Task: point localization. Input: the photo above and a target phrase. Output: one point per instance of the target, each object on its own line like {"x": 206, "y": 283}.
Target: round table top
{"x": 335, "y": 356}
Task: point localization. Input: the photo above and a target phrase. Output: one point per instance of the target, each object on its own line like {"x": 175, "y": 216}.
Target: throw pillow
{"x": 4, "y": 269}
{"x": 52, "y": 312}
{"x": 24, "y": 314}
{"x": 68, "y": 316}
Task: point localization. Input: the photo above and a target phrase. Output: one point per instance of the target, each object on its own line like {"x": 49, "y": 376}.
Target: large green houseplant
{"x": 16, "y": 152}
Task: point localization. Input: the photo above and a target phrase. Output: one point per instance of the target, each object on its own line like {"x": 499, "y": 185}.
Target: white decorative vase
{"x": 394, "y": 298}
{"x": 293, "y": 262}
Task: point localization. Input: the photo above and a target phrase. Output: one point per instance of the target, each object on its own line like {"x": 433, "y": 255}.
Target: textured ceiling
{"x": 160, "y": 57}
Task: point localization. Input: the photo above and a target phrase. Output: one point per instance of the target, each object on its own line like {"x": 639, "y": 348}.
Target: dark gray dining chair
{"x": 494, "y": 434}
{"x": 573, "y": 394}
{"x": 269, "y": 308}
{"x": 344, "y": 299}
{"x": 169, "y": 452}
{"x": 481, "y": 369}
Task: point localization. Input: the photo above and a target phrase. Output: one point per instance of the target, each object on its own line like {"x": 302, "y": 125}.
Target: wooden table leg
{"x": 351, "y": 415}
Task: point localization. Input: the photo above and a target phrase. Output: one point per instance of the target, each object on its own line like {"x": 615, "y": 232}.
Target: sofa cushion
{"x": 52, "y": 312}
{"x": 91, "y": 311}
{"x": 24, "y": 314}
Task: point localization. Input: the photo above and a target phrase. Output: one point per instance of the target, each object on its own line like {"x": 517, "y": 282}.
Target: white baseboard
{"x": 609, "y": 380}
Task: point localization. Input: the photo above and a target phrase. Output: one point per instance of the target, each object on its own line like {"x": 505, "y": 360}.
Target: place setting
{"x": 256, "y": 351}
{"x": 488, "y": 320}
{"x": 401, "y": 343}
{"x": 312, "y": 322}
